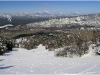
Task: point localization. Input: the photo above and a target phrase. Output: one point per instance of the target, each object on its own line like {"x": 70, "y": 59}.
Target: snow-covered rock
{"x": 94, "y": 50}
{"x": 91, "y": 51}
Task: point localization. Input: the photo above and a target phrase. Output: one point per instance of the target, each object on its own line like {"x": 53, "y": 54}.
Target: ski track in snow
{"x": 41, "y": 61}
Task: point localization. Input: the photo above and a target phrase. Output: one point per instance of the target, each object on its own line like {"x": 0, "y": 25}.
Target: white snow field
{"x": 41, "y": 61}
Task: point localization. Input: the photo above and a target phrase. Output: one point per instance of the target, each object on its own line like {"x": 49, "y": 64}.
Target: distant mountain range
{"x": 82, "y": 20}
{"x": 50, "y": 21}
{"x": 22, "y": 20}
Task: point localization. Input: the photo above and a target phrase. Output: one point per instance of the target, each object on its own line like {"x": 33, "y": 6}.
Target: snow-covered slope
{"x": 4, "y": 26}
{"x": 91, "y": 20}
{"x": 8, "y": 17}
{"x": 41, "y": 61}
{"x": 51, "y": 21}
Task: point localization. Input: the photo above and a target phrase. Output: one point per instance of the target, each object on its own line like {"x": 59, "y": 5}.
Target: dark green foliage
{"x": 5, "y": 45}
{"x": 2, "y": 50}
{"x": 9, "y": 45}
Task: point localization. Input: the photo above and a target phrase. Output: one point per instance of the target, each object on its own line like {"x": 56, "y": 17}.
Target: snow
{"x": 8, "y": 17}
{"x": 18, "y": 40}
{"x": 4, "y": 26}
{"x": 41, "y": 61}
{"x": 92, "y": 20}
{"x": 21, "y": 40}
{"x": 92, "y": 51}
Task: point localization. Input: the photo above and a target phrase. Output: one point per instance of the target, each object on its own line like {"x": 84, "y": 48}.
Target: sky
{"x": 49, "y": 7}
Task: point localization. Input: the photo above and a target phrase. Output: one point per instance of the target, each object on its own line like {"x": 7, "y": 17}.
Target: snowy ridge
{"x": 8, "y": 17}
{"x": 4, "y": 26}
{"x": 52, "y": 20}
{"x": 91, "y": 20}
{"x": 41, "y": 61}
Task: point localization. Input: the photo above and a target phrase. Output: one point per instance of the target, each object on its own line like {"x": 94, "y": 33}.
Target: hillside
{"x": 82, "y": 20}
{"x": 31, "y": 22}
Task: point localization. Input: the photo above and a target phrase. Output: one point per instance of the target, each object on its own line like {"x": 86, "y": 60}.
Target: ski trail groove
{"x": 87, "y": 70}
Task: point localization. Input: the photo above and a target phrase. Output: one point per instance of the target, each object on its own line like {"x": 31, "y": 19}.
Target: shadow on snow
{"x": 5, "y": 67}
{"x": 1, "y": 59}
{"x": 8, "y": 52}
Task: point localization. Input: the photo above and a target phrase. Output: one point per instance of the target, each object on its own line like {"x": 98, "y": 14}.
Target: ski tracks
{"x": 87, "y": 71}
{"x": 78, "y": 68}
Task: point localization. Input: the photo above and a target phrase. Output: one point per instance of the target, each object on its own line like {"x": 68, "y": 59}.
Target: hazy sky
{"x": 50, "y": 7}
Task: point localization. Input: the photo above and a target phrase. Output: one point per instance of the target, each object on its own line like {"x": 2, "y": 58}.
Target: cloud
{"x": 60, "y": 13}
{"x": 42, "y": 13}
{"x": 37, "y": 13}
{"x": 23, "y": 14}
{"x": 46, "y": 12}
{"x": 75, "y": 13}
{"x": 44, "y": 4}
